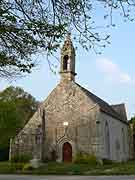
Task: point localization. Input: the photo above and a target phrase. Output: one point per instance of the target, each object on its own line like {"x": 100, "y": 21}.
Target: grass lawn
{"x": 70, "y": 169}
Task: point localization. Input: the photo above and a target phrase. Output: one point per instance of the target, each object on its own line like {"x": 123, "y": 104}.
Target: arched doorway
{"x": 67, "y": 152}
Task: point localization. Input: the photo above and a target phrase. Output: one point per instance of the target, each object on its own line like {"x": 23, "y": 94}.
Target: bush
{"x": 17, "y": 166}
{"x": 4, "y": 154}
{"x": 85, "y": 159}
{"x": 28, "y": 167}
{"x": 107, "y": 162}
{"x": 6, "y": 168}
{"x": 21, "y": 158}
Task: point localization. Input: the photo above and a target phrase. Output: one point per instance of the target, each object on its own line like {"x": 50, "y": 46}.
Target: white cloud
{"x": 113, "y": 72}
{"x": 107, "y": 66}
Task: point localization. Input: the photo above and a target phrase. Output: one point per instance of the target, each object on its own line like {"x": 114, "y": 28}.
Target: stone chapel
{"x": 73, "y": 120}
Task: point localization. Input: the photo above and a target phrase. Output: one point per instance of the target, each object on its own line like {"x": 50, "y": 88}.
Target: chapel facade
{"x": 73, "y": 120}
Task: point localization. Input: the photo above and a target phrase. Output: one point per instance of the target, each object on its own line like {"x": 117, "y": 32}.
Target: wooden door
{"x": 67, "y": 152}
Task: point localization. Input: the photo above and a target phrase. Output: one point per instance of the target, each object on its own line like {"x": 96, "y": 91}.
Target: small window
{"x": 65, "y": 62}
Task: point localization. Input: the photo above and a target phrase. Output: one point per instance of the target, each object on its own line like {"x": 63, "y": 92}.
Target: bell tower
{"x": 67, "y": 67}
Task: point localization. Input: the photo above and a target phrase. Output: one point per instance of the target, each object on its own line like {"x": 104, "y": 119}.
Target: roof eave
{"x": 113, "y": 116}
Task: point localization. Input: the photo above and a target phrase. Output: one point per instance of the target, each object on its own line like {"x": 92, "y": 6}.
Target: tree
{"x": 132, "y": 123}
{"x": 29, "y": 27}
{"x": 132, "y": 120}
{"x": 10, "y": 121}
{"x": 16, "y": 108}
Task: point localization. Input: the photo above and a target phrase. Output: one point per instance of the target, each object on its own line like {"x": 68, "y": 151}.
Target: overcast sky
{"x": 111, "y": 76}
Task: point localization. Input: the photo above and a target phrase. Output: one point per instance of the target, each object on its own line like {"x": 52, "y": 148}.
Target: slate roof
{"x": 104, "y": 106}
{"x": 120, "y": 109}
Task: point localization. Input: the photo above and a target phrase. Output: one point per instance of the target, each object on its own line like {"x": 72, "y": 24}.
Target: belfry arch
{"x": 65, "y": 62}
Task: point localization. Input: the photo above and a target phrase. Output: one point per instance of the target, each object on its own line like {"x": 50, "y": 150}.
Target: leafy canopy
{"x": 10, "y": 121}
{"x": 28, "y": 27}
{"x": 16, "y": 108}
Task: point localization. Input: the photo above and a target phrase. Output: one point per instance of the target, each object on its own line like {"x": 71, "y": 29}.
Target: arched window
{"x": 123, "y": 140}
{"x": 38, "y": 135}
{"x": 65, "y": 62}
{"x": 107, "y": 140}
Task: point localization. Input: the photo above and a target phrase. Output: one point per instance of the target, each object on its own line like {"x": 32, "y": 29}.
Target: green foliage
{"x": 28, "y": 167}
{"x": 16, "y": 107}
{"x": 9, "y": 168}
{"x": 132, "y": 120}
{"x": 28, "y": 27}
{"x": 21, "y": 158}
{"x": 25, "y": 103}
{"x": 82, "y": 158}
{"x": 6, "y": 168}
{"x": 127, "y": 168}
{"x": 10, "y": 121}
{"x": 4, "y": 154}
{"x": 107, "y": 162}
{"x": 18, "y": 166}
{"x": 61, "y": 168}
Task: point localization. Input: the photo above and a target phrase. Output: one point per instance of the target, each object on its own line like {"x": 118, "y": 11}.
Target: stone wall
{"x": 66, "y": 103}
{"x": 119, "y": 145}
{"x": 69, "y": 104}
{"x": 85, "y": 131}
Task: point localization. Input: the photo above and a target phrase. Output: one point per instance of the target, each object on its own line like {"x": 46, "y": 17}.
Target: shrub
{"x": 83, "y": 158}
{"x": 17, "y": 166}
{"x": 6, "y": 168}
{"x": 28, "y": 167}
{"x": 21, "y": 158}
{"x": 107, "y": 162}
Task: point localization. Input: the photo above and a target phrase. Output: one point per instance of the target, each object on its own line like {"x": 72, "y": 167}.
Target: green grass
{"x": 70, "y": 169}
{"x": 8, "y": 168}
